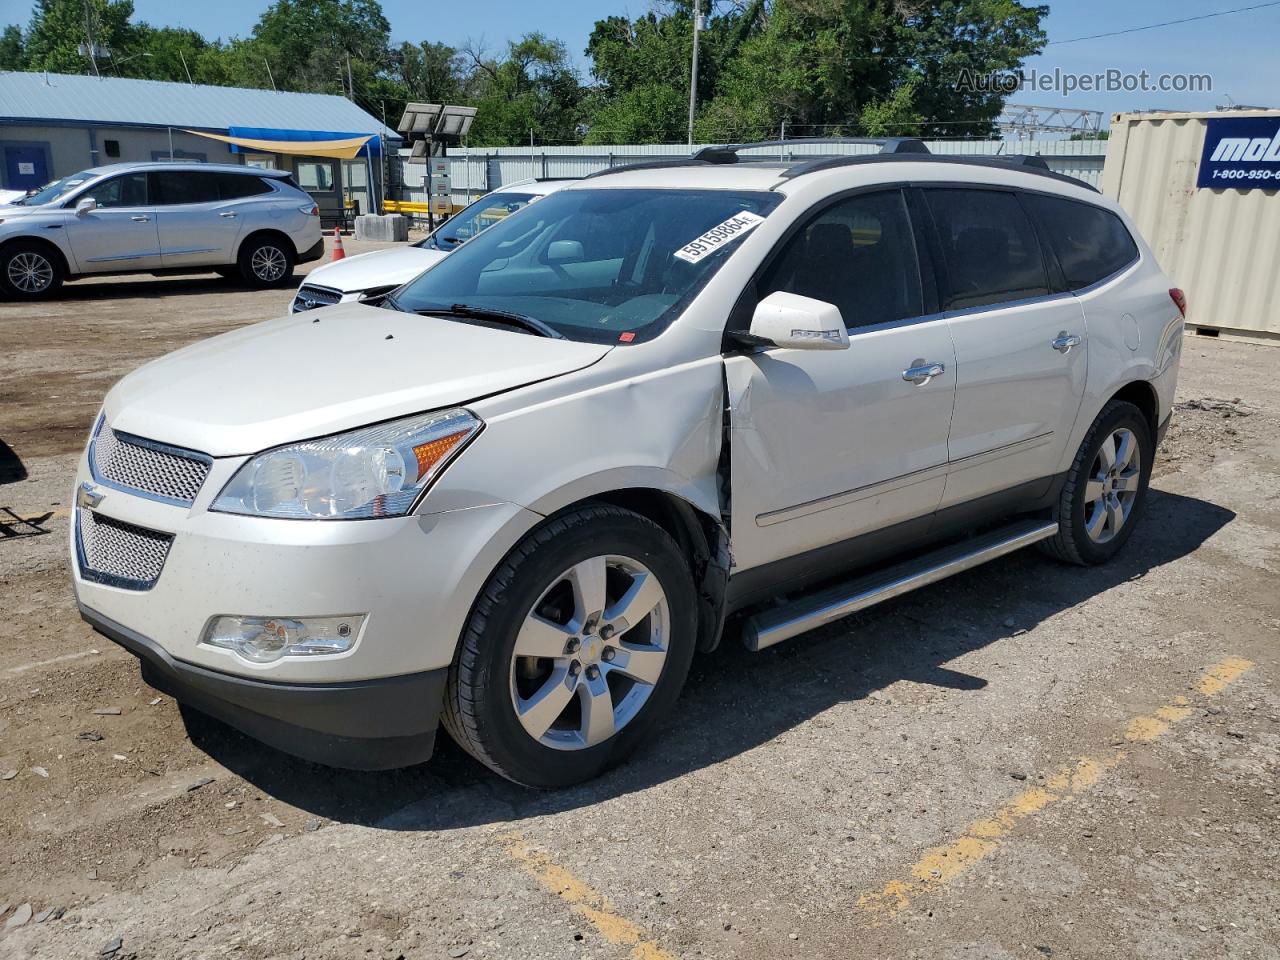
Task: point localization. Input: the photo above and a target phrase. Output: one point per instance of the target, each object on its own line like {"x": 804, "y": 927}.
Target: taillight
{"x": 1180, "y": 301}
{"x": 311, "y": 210}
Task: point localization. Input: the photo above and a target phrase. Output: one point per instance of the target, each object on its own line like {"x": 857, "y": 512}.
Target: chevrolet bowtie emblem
{"x": 88, "y": 497}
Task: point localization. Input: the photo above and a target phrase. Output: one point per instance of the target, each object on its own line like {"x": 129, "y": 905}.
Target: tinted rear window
{"x": 183, "y": 186}
{"x": 989, "y": 247}
{"x": 233, "y": 186}
{"x": 1091, "y": 243}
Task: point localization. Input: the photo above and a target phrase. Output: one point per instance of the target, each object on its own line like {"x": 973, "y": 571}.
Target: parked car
{"x": 519, "y": 494}
{"x": 381, "y": 271}
{"x": 158, "y": 218}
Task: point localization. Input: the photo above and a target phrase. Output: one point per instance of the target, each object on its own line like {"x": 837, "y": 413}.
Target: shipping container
{"x": 1202, "y": 188}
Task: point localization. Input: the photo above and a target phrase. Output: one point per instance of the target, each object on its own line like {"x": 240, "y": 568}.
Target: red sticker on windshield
{"x": 626, "y": 337}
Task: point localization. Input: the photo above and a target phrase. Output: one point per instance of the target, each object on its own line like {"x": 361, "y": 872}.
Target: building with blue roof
{"x": 52, "y": 125}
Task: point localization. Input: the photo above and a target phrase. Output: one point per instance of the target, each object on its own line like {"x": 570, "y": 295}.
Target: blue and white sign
{"x": 1241, "y": 153}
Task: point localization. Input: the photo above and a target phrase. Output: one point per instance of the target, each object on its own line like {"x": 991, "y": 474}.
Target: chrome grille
{"x": 309, "y": 297}
{"x": 154, "y": 469}
{"x": 118, "y": 553}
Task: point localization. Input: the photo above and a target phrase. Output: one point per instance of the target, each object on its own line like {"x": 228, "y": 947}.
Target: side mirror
{"x": 565, "y": 251}
{"x": 799, "y": 323}
{"x": 86, "y": 205}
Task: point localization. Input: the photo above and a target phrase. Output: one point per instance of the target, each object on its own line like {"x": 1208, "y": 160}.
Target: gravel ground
{"x": 1026, "y": 761}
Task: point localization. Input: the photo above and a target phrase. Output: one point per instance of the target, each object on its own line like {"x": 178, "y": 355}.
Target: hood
{"x": 307, "y": 376}
{"x": 376, "y": 269}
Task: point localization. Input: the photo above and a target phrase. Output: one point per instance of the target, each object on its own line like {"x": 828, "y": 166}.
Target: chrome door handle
{"x": 922, "y": 371}
{"x": 1065, "y": 342}
{"x": 140, "y": 219}
{"x": 227, "y": 213}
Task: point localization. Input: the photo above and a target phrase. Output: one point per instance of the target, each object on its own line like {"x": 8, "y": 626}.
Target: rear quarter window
{"x": 1091, "y": 243}
{"x": 234, "y": 186}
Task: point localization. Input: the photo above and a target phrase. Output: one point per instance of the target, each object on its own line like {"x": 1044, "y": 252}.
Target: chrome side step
{"x": 814, "y": 610}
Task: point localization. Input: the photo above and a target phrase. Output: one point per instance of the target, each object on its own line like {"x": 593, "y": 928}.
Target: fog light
{"x": 267, "y": 639}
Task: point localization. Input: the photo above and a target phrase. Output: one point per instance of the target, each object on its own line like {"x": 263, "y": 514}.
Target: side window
{"x": 859, "y": 254}
{"x": 989, "y": 247}
{"x": 1091, "y": 243}
{"x": 128, "y": 190}
{"x": 233, "y": 186}
{"x": 169, "y": 187}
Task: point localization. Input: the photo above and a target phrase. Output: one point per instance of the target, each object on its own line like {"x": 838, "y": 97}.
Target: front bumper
{"x": 359, "y": 725}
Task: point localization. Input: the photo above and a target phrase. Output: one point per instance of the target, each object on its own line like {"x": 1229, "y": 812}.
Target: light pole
{"x": 693, "y": 69}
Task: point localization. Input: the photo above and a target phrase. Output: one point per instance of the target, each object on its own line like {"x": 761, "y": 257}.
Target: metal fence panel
{"x": 476, "y": 171}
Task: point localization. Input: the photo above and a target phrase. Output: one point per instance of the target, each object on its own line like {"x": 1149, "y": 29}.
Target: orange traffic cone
{"x": 338, "y": 252}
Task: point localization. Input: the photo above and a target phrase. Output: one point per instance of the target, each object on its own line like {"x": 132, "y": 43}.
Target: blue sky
{"x": 1237, "y": 50}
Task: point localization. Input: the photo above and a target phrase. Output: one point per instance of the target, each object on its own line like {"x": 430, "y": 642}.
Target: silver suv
{"x": 158, "y": 218}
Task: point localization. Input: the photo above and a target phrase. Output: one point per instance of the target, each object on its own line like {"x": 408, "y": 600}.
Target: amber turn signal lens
{"x": 429, "y": 454}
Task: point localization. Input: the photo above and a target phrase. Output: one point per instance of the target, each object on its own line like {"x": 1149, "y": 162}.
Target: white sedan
{"x": 371, "y": 274}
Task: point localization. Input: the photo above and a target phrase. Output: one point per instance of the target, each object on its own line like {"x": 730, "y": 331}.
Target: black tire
{"x": 1073, "y": 543}
{"x": 30, "y": 271}
{"x": 479, "y": 713}
{"x": 266, "y": 262}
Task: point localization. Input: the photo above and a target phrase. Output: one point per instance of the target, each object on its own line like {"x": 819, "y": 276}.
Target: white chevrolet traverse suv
{"x": 380, "y": 271}
{"x": 158, "y": 218}
{"x": 518, "y": 495}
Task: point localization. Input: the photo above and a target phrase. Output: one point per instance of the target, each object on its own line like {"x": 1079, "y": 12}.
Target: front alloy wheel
{"x": 28, "y": 271}
{"x": 590, "y": 652}
{"x": 576, "y": 649}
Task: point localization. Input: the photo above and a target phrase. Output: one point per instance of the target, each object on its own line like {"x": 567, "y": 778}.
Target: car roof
{"x": 111, "y": 168}
{"x": 853, "y": 171}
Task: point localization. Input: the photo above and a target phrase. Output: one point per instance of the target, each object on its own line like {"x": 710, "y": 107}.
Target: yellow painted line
{"x": 584, "y": 899}
{"x": 983, "y": 837}
{"x": 1223, "y": 675}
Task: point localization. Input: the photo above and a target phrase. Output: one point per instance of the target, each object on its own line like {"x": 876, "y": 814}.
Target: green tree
{"x": 941, "y": 39}
{"x": 641, "y": 67}
{"x": 533, "y": 86}
{"x": 823, "y": 67}
{"x": 432, "y": 72}
{"x": 309, "y": 43}
{"x": 159, "y": 53}
{"x": 59, "y": 29}
{"x": 11, "y": 52}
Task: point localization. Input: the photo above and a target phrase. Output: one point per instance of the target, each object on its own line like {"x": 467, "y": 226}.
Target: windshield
{"x": 481, "y": 215}
{"x": 56, "y": 190}
{"x": 602, "y": 265}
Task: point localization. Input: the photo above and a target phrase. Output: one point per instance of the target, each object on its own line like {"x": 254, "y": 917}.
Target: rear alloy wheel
{"x": 1112, "y": 487}
{"x": 576, "y": 649}
{"x": 28, "y": 272}
{"x": 1106, "y": 487}
{"x": 266, "y": 263}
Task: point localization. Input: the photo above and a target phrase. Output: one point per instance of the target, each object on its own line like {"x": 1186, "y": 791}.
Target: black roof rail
{"x": 887, "y": 145}
{"x": 1023, "y": 162}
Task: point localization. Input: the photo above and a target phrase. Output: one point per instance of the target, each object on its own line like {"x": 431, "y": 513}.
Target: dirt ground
{"x": 1025, "y": 761}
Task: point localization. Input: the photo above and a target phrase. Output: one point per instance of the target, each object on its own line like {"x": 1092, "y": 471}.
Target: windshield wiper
{"x": 489, "y": 315}
{"x": 391, "y": 303}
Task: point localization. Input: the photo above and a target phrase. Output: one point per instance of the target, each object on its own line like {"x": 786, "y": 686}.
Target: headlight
{"x": 372, "y": 472}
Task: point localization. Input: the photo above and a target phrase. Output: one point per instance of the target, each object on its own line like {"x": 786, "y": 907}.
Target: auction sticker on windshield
{"x": 718, "y": 236}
